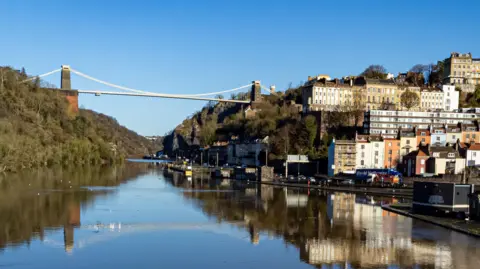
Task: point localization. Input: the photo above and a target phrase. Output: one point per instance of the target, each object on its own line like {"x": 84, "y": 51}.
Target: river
{"x": 138, "y": 216}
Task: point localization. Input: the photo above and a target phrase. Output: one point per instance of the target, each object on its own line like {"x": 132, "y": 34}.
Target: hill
{"x": 276, "y": 117}
{"x": 36, "y": 129}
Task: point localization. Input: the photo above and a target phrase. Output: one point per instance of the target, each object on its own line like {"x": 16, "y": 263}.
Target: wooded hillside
{"x": 36, "y": 129}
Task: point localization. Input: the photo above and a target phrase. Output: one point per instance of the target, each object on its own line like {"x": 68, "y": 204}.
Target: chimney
{"x": 272, "y": 89}
{"x": 309, "y": 78}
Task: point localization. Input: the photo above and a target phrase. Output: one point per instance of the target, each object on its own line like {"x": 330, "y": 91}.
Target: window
{"x": 363, "y": 154}
{"x": 363, "y": 147}
{"x": 438, "y": 138}
{"x": 389, "y": 144}
{"x": 362, "y": 162}
{"x": 407, "y": 150}
{"x": 398, "y": 144}
{"x": 376, "y": 153}
{"x": 423, "y": 139}
{"x": 422, "y": 161}
{"x": 436, "y": 154}
{"x": 467, "y": 136}
{"x": 451, "y": 155}
{"x": 474, "y": 154}
{"x": 423, "y": 134}
{"x": 408, "y": 142}
{"x": 453, "y": 137}
{"x": 390, "y": 152}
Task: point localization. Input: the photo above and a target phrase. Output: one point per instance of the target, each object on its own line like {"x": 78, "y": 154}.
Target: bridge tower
{"x": 66, "y": 86}
{"x": 256, "y": 93}
{"x": 65, "y": 83}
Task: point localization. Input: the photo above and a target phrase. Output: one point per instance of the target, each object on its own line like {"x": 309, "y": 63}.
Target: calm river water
{"x": 141, "y": 217}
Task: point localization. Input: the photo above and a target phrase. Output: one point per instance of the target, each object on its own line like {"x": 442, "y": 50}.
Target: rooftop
{"x": 475, "y": 146}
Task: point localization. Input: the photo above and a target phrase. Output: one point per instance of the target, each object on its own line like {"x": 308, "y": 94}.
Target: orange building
{"x": 470, "y": 133}
{"x": 392, "y": 152}
{"x": 423, "y": 136}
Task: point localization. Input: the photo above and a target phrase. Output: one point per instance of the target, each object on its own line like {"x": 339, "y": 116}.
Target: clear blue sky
{"x": 203, "y": 46}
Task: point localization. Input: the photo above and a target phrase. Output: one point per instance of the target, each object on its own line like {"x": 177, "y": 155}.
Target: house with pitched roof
{"x": 445, "y": 160}
{"x": 473, "y": 154}
{"x": 415, "y": 162}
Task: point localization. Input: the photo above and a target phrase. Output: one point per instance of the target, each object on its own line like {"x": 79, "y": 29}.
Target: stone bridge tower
{"x": 66, "y": 86}
{"x": 256, "y": 93}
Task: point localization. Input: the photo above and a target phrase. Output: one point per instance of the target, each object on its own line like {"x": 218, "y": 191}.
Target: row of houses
{"x": 436, "y": 151}
{"x": 320, "y": 94}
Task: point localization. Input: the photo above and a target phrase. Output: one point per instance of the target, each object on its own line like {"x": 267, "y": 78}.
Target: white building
{"x": 364, "y": 157}
{"x": 370, "y": 151}
{"x": 319, "y": 96}
{"x": 432, "y": 99}
{"x": 473, "y": 155}
{"x": 450, "y": 97}
{"x": 388, "y": 121}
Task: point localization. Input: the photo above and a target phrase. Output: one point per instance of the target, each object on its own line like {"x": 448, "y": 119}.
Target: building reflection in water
{"x": 336, "y": 229}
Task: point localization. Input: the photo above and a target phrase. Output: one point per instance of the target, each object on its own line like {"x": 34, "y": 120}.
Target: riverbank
{"x": 467, "y": 227}
{"x": 398, "y": 192}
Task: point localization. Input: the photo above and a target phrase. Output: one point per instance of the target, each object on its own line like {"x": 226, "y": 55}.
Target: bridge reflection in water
{"x": 330, "y": 229}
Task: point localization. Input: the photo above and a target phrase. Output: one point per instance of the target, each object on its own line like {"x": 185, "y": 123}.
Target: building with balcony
{"x": 341, "y": 157}
{"x": 388, "y": 122}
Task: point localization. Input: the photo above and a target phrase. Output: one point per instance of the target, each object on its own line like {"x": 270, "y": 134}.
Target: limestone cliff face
{"x": 184, "y": 135}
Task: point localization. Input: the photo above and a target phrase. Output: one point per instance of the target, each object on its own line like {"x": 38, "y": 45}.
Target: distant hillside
{"x": 36, "y": 129}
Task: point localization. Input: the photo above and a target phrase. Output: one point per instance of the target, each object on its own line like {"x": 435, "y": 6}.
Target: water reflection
{"x": 34, "y": 203}
{"x": 95, "y": 211}
{"x": 332, "y": 229}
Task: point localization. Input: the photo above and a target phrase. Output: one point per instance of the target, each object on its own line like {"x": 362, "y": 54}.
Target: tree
{"x": 310, "y": 124}
{"x": 416, "y": 75}
{"x": 409, "y": 99}
{"x": 419, "y": 68}
{"x": 358, "y": 106}
{"x": 375, "y": 71}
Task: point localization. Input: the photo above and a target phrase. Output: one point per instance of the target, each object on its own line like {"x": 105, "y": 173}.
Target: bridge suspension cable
{"x": 106, "y": 83}
{"x": 42, "y": 75}
{"x": 145, "y": 92}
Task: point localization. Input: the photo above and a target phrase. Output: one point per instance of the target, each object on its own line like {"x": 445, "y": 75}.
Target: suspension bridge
{"x": 65, "y": 85}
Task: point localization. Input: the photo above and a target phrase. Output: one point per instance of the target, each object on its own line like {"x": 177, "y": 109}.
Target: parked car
{"x": 302, "y": 178}
{"x": 312, "y": 180}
